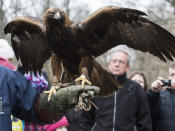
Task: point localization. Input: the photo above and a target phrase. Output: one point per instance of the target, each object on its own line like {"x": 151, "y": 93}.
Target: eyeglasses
{"x": 120, "y": 62}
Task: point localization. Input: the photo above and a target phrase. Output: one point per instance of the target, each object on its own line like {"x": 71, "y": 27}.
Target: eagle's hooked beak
{"x": 57, "y": 16}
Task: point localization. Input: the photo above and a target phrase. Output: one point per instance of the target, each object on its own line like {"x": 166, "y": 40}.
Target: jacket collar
{"x": 120, "y": 78}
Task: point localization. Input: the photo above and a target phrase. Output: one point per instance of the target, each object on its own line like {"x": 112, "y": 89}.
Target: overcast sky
{"x": 137, "y": 4}
{"x": 96, "y": 4}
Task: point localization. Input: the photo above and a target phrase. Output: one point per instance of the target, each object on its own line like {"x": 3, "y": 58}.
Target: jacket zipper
{"x": 115, "y": 102}
{"x": 93, "y": 127}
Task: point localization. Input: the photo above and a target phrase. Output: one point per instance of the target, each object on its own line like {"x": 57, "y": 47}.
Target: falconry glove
{"x": 64, "y": 99}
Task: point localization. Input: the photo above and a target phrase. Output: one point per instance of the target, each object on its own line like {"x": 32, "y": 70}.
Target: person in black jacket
{"x": 125, "y": 109}
{"x": 162, "y": 102}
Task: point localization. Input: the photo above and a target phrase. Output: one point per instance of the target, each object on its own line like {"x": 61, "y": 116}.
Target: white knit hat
{"x": 6, "y": 50}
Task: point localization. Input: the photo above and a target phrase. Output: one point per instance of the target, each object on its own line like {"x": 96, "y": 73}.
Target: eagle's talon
{"x": 83, "y": 80}
{"x": 52, "y": 90}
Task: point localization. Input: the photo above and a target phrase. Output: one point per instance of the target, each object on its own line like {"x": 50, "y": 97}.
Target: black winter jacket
{"x": 162, "y": 107}
{"x": 121, "y": 112}
{"x": 73, "y": 118}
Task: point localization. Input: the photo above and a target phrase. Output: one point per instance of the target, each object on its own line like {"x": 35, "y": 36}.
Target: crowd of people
{"x": 134, "y": 107}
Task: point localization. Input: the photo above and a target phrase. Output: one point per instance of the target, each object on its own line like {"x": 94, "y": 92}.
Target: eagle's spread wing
{"x": 28, "y": 42}
{"x": 111, "y": 26}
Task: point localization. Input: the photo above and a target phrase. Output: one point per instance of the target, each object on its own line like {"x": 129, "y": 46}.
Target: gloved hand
{"x": 73, "y": 93}
{"x": 60, "y": 103}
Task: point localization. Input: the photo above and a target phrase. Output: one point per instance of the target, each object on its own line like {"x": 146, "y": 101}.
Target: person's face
{"x": 119, "y": 63}
{"x": 139, "y": 79}
{"x": 171, "y": 73}
{"x": 172, "y": 77}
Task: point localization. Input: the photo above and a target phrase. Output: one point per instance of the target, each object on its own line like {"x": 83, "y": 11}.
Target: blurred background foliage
{"x": 160, "y": 11}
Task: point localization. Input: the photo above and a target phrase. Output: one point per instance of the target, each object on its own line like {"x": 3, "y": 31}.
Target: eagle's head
{"x": 56, "y": 16}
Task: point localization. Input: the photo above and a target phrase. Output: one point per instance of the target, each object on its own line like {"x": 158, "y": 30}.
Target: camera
{"x": 166, "y": 82}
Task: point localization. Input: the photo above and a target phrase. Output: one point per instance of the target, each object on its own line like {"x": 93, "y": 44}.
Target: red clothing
{"x": 6, "y": 63}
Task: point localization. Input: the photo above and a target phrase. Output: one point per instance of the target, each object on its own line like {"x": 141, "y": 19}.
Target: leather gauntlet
{"x": 59, "y": 104}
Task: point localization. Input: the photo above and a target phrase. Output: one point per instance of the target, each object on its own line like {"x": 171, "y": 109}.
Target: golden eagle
{"x": 74, "y": 46}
